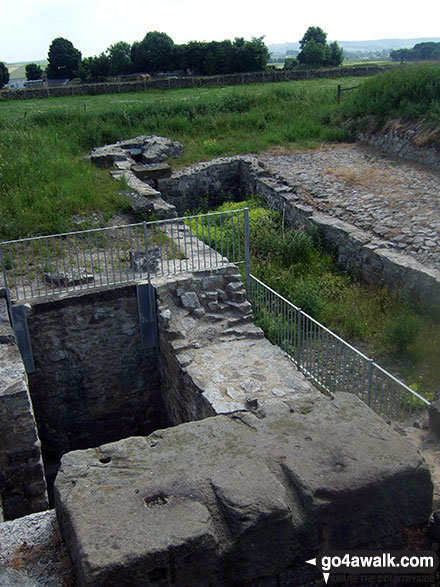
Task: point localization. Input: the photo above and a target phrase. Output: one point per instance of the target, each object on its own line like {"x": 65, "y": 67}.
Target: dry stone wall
{"x": 93, "y": 382}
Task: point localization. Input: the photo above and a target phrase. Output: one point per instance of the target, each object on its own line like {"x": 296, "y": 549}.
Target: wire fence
{"x": 326, "y": 359}
{"x": 77, "y": 261}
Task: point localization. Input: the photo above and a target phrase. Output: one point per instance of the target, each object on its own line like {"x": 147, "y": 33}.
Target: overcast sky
{"x": 29, "y": 26}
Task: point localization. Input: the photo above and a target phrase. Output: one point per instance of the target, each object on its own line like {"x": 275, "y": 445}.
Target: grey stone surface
{"x": 107, "y": 156}
{"x": 22, "y": 482}
{"x": 231, "y": 499}
{"x": 151, "y": 171}
{"x": 32, "y": 553}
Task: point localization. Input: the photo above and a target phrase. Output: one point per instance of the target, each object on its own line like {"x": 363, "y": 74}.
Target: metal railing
{"x": 77, "y": 261}
{"x": 326, "y": 359}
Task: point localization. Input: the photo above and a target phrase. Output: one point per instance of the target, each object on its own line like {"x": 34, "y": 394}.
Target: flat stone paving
{"x": 395, "y": 200}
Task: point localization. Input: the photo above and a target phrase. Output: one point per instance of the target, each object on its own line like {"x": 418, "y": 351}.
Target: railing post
{"x": 247, "y": 254}
{"x": 299, "y": 339}
{"x": 370, "y": 381}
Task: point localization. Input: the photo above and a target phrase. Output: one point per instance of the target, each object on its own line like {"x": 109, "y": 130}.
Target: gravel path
{"x": 396, "y": 200}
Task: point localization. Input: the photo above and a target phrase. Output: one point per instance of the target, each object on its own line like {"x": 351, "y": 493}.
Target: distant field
{"x": 18, "y": 70}
{"x": 104, "y": 103}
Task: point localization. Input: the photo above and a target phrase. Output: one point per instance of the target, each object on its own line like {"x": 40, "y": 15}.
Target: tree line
{"x": 157, "y": 52}
{"x": 426, "y": 51}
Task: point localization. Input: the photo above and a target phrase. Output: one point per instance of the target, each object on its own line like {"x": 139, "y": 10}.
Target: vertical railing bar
{"x": 215, "y": 243}
{"x": 173, "y": 248}
{"x": 203, "y": 241}
{"x": 136, "y": 248}
{"x": 123, "y": 258}
{"x": 197, "y": 241}
{"x": 210, "y": 243}
{"x": 239, "y": 235}
{"x": 77, "y": 261}
{"x": 153, "y": 245}
{"x": 185, "y": 247}
{"x": 233, "y": 237}
{"x": 221, "y": 236}
{"x": 37, "y": 281}
{"x": 62, "y": 255}
{"x": 42, "y": 265}
{"x": 118, "y": 256}
{"x": 85, "y": 262}
{"x": 227, "y": 239}
{"x": 17, "y": 251}
{"x": 52, "y": 241}
{"x": 27, "y": 267}
{"x": 147, "y": 253}
{"x": 98, "y": 258}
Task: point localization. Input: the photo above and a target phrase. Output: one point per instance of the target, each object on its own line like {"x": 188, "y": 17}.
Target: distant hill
{"x": 365, "y": 46}
{"x": 18, "y": 70}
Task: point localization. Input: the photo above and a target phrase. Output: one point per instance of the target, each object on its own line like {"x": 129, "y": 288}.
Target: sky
{"x": 29, "y": 26}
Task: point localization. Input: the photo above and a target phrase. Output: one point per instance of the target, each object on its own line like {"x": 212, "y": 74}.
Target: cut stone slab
{"x": 107, "y": 156}
{"x": 152, "y": 171}
{"x": 232, "y": 499}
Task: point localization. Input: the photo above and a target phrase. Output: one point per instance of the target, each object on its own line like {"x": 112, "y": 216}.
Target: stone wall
{"x": 22, "y": 482}
{"x": 93, "y": 382}
{"x": 414, "y": 141}
{"x": 358, "y": 251}
{"x": 186, "y": 82}
{"x": 214, "y": 359}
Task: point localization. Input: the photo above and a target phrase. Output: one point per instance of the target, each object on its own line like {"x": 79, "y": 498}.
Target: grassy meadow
{"x": 44, "y": 181}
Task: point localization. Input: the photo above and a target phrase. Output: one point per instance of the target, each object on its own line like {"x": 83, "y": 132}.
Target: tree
{"x": 313, "y": 33}
{"x": 4, "y": 74}
{"x": 119, "y": 56}
{"x": 64, "y": 60}
{"x": 154, "y": 53}
{"x": 33, "y": 71}
{"x": 316, "y": 52}
{"x": 95, "y": 69}
{"x": 336, "y": 54}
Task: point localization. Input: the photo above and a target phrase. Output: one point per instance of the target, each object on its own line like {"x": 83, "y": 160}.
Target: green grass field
{"x": 44, "y": 181}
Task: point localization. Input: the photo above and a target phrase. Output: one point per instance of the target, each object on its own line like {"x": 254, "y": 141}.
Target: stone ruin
{"x": 209, "y": 460}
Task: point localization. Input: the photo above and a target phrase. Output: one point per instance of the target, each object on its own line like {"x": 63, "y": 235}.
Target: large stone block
{"x": 232, "y": 499}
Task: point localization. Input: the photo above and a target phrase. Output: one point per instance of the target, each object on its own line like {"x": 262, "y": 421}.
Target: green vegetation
{"x": 426, "y": 51}
{"x": 4, "y": 74}
{"x": 381, "y": 323}
{"x": 44, "y": 182}
{"x": 316, "y": 52}
{"x": 411, "y": 93}
{"x": 63, "y": 60}
{"x": 33, "y": 71}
